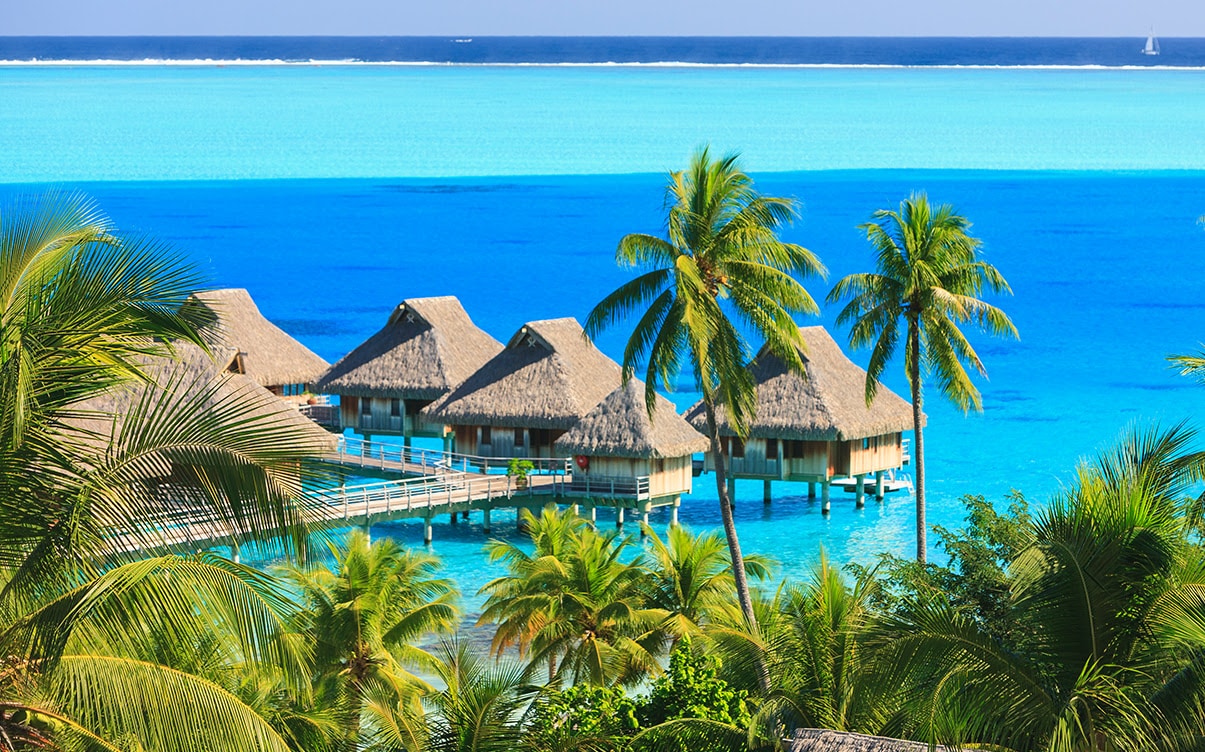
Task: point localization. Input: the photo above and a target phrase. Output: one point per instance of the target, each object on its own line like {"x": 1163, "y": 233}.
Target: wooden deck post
{"x": 878, "y": 485}
{"x": 765, "y": 493}
{"x": 673, "y": 511}
{"x": 811, "y": 490}
{"x": 824, "y": 500}
{"x": 427, "y": 530}
{"x": 593, "y": 514}
{"x": 453, "y": 517}
{"x": 619, "y": 515}
{"x": 860, "y": 491}
{"x": 234, "y": 553}
{"x": 644, "y": 519}
{"x": 486, "y": 520}
{"x": 732, "y": 491}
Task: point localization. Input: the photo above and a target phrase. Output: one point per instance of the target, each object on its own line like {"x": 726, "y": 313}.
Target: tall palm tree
{"x": 84, "y": 313}
{"x": 364, "y": 616}
{"x": 928, "y": 276}
{"x": 583, "y": 612}
{"x": 721, "y": 268}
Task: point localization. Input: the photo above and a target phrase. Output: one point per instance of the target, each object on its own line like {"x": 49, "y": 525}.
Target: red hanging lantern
{"x": 582, "y": 461}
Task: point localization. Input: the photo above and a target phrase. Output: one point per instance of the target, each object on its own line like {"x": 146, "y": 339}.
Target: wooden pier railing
{"x": 384, "y": 456}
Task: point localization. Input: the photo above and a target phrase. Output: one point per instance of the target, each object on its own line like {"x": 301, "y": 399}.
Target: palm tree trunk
{"x": 918, "y": 448}
{"x": 734, "y": 544}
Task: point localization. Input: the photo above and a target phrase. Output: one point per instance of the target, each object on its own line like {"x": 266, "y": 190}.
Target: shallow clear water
{"x": 1106, "y": 265}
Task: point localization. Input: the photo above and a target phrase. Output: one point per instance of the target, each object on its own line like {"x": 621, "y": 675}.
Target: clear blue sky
{"x": 605, "y": 17}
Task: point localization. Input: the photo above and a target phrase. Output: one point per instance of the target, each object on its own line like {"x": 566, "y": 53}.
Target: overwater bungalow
{"x": 427, "y": 348}
{"x": 264, "y": 352}
{"x": 619, "y": 453}
{"x": 526, "y": 397}
{"x": 815, "y": 426}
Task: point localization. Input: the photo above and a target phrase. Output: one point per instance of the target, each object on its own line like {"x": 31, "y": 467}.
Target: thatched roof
{"x": 197, "y": 373}
{"x": 620, "y": 427}
{"x": 823, "y": 740}
{"x": 268, "y": 355}
{"x": 825, "y": 403}
{"x": 428, "y": 347}
{"x": 548, "y": 376}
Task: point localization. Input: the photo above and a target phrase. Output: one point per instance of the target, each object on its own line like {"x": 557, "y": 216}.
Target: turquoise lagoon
{"x": 333, "y": 192}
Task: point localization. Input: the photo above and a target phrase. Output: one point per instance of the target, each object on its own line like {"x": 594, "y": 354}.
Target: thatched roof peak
{"x": 620, "y": 427}
{"x": 267, "y": 354}
{"x": 825, "y": 403}
{"x": 548, "y": 376}
{"x": 824, "y": 740}
{"x": 427, "y": 347}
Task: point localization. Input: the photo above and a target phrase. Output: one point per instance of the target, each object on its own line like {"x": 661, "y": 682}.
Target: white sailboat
{"x": 1152, "y": 45}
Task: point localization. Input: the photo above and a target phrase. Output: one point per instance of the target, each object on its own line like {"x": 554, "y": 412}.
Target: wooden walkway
{"x": 441, "y": 487}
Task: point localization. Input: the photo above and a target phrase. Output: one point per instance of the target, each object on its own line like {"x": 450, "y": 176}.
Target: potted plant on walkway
{"x": 519, "y": 469}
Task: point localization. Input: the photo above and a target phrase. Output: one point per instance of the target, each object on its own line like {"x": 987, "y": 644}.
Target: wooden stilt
{"x": 825, "y": 504}
{"x": 860, "y": 491}
{"x": 427, "y": 531}
{"x": 765, "y": 492}
{"x": 878, "y": 486}
{"x": 811, "y": 490}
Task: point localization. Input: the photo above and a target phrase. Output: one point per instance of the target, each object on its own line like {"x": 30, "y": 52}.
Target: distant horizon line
{"x": 468, "y": 35}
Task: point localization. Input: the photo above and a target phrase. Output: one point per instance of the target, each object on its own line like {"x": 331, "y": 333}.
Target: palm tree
{"x": 691, "y": 577}
{"x": 823, "y": 676}
{"x": 480, "y": 707}
{"x": 1111, "y": 592}
{"x": 582, "y": 612}
{"x": 86, "y": 313}
{"x": 364, "y": 616}
{"x": 721, "y": 268}
{"x": 928, "y": 275}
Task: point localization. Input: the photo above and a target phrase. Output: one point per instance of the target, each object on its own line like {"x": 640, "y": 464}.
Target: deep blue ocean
{"x": 333, "y": 192}
{"x": 905, "y": 51}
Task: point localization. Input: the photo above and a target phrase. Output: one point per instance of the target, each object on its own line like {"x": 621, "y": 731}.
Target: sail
{"x": 1152, "y": 45}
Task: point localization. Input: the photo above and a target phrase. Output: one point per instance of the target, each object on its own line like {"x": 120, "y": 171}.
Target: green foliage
{"x": 103, "y": 648}
{"x": 363, "y": 618}
{"x": 519, "y": 468}
{"x": 1109, "y": 595}
{"x": 577, "y": 607}
{"x": 583, "y": 717}
{"x": 975, "y": 578}
{"x": 690, "y": 688}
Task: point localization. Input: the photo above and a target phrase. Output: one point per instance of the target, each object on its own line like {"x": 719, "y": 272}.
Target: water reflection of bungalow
{"x": 263, "y": 351}
{"x": 620, "y": 454}
{"x": 428, "y": 347}
{"x": 519, "y": 403}
{"x": 815, "y": 426}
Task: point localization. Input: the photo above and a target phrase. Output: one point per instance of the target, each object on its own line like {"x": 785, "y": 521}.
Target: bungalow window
{"x": 395, "y": 408}
{"x": 519, "y": 437}
{"x": 366, "y": 405}
{"x": 794, "y": 449}
{"x": 866, "y": 443}
{"x": 736, "y": 448}
{"x": 771, "y": 449}
{"x": 485, "y": 435}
